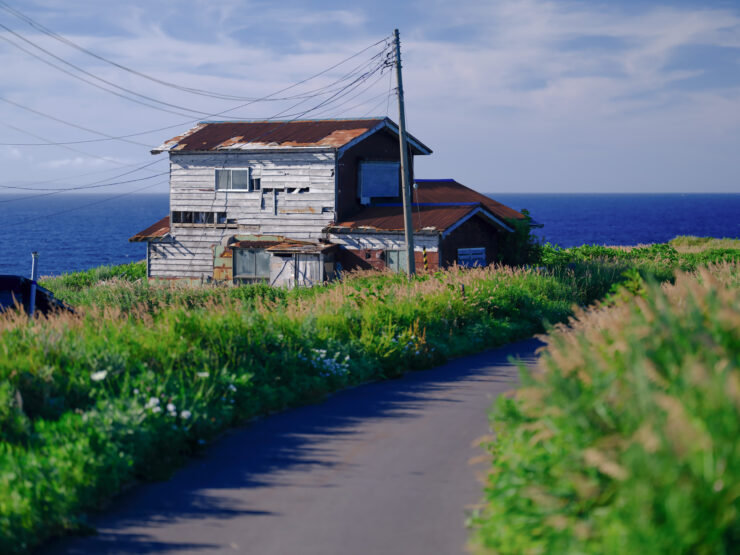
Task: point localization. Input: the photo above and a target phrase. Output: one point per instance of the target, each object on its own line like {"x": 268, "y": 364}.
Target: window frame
{"x": 401, "y": 265}
{"x": 472, "y": 252}
{"x": 253, "y": 276}
{"x": 230, "y": 172}
{"x": 363, "y": 194}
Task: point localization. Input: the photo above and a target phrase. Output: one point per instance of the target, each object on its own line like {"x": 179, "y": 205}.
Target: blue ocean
{"x": 76, "y": 232}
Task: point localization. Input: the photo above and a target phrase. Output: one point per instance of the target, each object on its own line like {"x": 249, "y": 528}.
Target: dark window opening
{"x": 251, "y": 264}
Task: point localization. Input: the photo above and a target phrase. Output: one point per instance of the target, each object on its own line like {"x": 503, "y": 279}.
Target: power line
{"x": 61, "y": 212}
{"x": 81, "y": 187}
{"x": 92, "y": 75}
{"x": 66, "y": 147}
{"x": 70, "y": 177}
{"x": 61, "y": 191}
{"x": 38, "y": 26}
{"x": 326, "y": 89}
{"x": 65, "y": 122}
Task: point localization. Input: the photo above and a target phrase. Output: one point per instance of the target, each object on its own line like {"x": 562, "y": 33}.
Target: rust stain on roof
{"x": 390, "y": 218}
{"x": 154, "y": 231}
{"x": 251, "y": 134}
{"x": 437, "y": 205}
{"x": 246, "y": 135}
{"x": 449, "y": 190}
{"x": 341, "y": 137}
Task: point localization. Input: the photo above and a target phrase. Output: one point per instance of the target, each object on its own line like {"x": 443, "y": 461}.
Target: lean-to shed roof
{"x": 154, "y": 231}
{"x": 438, "y": 206}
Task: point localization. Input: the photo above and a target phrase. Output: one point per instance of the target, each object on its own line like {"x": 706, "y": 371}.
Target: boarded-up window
{"x": 396, "y": 260}
{"x": 471, "y": 257}
{"x": 251, "y": 263}
{"x": 307, "y": 269}
{"x": 379, "y": 179}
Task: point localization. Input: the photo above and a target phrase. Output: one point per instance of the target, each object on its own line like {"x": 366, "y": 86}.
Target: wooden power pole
{"x": 405, "y": 185}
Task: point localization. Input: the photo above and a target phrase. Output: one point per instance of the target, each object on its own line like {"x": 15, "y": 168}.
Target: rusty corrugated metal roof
{"x": 449, "y": 190}
{"x": 247, "y": 135}
{"x": 160, "y": 229}
{"x": 437, "y": 205}
{"x": 424, "y": 218}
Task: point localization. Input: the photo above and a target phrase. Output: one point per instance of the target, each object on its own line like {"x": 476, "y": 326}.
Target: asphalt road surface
{"x": 383, "y": 468}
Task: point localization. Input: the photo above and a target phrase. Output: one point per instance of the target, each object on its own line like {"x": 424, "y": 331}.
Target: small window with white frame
{"x": 234, "y": 180}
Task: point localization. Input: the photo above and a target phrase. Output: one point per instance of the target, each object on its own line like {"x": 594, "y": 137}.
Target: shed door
{"x": 308, "y": 270}
{"x": 471, "y": 257}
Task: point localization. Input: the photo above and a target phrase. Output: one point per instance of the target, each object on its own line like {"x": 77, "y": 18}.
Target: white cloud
{"x": 512, "y": 81}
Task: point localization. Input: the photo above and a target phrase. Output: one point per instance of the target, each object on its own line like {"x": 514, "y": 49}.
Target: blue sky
{"x": 512, "y": 96}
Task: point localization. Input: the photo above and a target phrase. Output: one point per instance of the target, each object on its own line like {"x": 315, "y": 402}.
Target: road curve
{"x": 379, "y": 469}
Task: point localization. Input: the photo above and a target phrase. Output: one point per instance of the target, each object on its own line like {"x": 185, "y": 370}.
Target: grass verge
{"x": 625, "y": 438}
{"x": 144, "y": 374}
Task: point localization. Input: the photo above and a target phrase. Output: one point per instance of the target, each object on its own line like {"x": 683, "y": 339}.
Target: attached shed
{"x": 453, "y": 224}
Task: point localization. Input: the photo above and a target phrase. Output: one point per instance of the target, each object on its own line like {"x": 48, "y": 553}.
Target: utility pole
{"x": 405, "y": 186}
{"x": 34, "y": 277}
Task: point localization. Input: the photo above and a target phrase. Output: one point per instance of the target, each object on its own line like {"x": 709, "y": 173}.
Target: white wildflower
{"x": 186, "y": 414}
{"x": 152, "y": 402}
{"x": 155, "y": 410}
{"x": 171, "y": 407}
{"x": 136, "y": 391}
{"x": 98, "y": 376}
{"x": 231, "y": 387}
{"x": 202, "y": 374}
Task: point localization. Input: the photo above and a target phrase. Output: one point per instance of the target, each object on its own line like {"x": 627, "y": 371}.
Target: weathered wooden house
{"x": 294, "y": 202}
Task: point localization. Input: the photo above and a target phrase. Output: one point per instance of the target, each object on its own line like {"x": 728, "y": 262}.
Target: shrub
{"x": 144, "y": 373}
{"x": 625, "y": 438}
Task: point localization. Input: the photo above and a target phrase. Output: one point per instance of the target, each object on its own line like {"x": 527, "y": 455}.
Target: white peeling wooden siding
{"x": 192, "y": 188}
{"x": 359, "y": 241}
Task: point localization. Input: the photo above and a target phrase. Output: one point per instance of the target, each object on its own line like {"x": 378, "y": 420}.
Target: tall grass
{"x": 144, "y": 374}
{"x": 625, "y": 440}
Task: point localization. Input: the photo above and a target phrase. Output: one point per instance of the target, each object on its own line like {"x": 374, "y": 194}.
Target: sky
{"x": 513, "y": 96}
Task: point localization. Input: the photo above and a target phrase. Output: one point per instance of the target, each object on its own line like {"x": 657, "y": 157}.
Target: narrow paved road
{"x": 379, "y": 469}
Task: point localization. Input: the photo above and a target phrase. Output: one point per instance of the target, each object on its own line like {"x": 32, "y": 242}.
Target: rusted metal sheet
{"x": 223, "y": 263}
{"x": 255, "y": 134}
{"x": 223, "y": 254}
{"x": 390, "y": 218}
{"x": 438, "y": 204}
{"x": 154, "y": 231}
{"x": 172, "y": 143}
{"x": 437, "y": 191}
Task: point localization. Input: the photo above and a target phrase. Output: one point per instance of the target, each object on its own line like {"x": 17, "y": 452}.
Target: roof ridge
{"x": 258, "y": 120}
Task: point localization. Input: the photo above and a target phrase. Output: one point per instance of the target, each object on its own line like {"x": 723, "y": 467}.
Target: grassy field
{"x": 144, "y": 374}
{"x": 626, "y": 438}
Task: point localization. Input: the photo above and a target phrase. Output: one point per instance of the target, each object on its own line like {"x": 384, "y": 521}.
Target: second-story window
{"x": 233, "y": 180}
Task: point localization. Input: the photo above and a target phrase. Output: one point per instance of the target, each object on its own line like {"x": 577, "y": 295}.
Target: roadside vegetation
{"x": 625, "y": 439}
{"x": 145, "y": 374}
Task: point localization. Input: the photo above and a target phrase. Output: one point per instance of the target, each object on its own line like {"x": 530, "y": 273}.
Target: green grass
{"x": 145, "y": 373}
{"x": 625, "y": 440}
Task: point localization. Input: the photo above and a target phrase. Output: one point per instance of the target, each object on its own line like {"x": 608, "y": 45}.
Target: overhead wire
{"x": 70, "y": 177}
{"x": 45, "y": 30}
{"x": 62, "y": 191}
{"x": 95, "y": 203}
{"x": 81, "y": 187}
{"x": 327, "y": 88}
{"x": 93, "y": 76}
{"x": 65, "y": 122}
{"x": 66, "y": 147}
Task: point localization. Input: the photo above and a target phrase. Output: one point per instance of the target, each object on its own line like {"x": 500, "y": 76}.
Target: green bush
{"x": 625, "y": 439}
{"x": 144, "y": 373}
